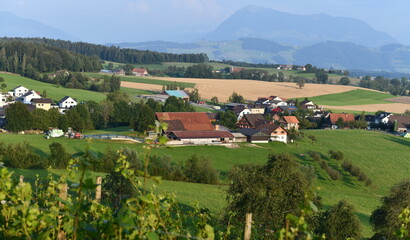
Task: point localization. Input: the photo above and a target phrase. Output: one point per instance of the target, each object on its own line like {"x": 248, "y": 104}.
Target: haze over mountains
{"x": 14, "y": 26}
{"x": 262, "y": 35}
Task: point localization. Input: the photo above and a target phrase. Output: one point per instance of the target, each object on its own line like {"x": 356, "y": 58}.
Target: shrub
{"x": 21, "y": 155}
{"x": 356, "y": 172}
{"x": 334, "y": 174}
{"x": 58, "y": 157}
{"x": 334, "y": 154}
{"x": 315, "y": 156}
{"x": 201, "y": 170}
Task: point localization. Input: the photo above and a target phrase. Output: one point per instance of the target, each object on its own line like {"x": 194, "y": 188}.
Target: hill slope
{"x": 259, "y": 22}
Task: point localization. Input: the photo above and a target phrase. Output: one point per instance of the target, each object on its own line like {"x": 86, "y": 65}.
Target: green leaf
{"x": 152, "y": 236}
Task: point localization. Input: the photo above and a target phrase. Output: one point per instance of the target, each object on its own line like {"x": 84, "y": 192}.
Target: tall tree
{"x": 18, "y": 117}
{"x": 236, "y": 98}
{"x": 270, "y": 192}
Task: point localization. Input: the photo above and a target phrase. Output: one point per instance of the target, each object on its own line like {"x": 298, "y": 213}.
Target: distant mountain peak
{"x": 287, "y": 28}
{"x": 15, "y": 26}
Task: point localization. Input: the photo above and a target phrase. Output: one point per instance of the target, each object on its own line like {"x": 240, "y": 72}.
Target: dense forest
{"x": 31, "y": 59}
{"x": 116, "y": 54}
{"x": 394, "y": 86}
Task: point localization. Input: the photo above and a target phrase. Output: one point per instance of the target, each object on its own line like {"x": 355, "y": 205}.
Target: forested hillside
{"x": 115, "y": 54}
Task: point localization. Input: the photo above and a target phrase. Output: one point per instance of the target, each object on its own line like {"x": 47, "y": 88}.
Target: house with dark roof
{"x": 276, "y": 132}
{"x": 19, "y": 91}
{"x": 42, "y": 103}
{"x": 240, "y": 111}
{"x": 28, "y": 96}
{"x": 255, "y": 135}
{"x": 403, "y": 123}
{"x": 67, "y": 102}
{"x": 251, "y": 121}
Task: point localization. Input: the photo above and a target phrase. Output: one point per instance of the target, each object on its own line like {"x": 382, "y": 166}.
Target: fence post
{"x": 21, "y": 179}
{"x": 98, "y": 189}
{"x": 63, "y": 195}
{"x": 248, "y": 226}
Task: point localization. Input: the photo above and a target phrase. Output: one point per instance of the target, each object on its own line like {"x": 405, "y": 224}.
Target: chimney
{"x": 217, "y": 127}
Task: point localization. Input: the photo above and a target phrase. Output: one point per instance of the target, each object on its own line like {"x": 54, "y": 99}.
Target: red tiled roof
{"x": 139, "y": 70}
{"x": 347, "y": 117}
{"x": 185, "y": 121}
{"x": 202, "y": 134}
{"x": 290, "y": 119}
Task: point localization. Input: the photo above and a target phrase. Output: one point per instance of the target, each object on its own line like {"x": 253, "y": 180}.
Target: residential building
{"x": 290, "y": 122}
{"x": 334, "y": 117}
{"x": 251, "y": 121}
{"x": 42, "y": 103}
{"x": 67, "y": 102}
{"x": 119, "y": 72}
{"x": 276, "y": 132}
{"x": 403, "y": 123}
{"x": 19, "y": 91}
{"x": 28, "y": 96}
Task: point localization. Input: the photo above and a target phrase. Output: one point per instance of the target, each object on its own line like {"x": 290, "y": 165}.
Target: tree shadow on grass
{"x": 398, "y": 140}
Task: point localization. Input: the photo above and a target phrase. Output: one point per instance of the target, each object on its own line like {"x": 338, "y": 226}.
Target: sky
{"x": 109, "y": 21}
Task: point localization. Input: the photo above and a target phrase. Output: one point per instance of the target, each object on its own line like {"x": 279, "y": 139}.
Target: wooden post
{"x": 98, "y": 189}
{"x": 21, "y": 179}
{"x": 63, "y": 195}
{"x": 248, "y": 226}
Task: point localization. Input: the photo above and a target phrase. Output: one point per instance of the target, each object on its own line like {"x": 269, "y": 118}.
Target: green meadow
{"x": 53, "y": 91}
{"x": 353, "y": 97}
{"x": 383, "y": 157}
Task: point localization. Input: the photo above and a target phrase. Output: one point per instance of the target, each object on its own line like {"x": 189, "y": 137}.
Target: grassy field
{"x": 354, "y": 97}
{"x": 54, "y": 92}
{"x": 378, "y": 154}
{"x": 144, "y": 80}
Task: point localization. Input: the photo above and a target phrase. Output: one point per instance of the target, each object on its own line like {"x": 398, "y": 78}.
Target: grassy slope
{"x": 354, "y": 97}
{"x": 54, "y": 92}
{"x": 378, "y": 154}
{"x": 144, "y": 80}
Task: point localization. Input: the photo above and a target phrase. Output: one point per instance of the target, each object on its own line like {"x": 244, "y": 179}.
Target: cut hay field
{"x": 251, "y": 89}
{"x": 54, "y": 92}
{"x": 383, "y": 157}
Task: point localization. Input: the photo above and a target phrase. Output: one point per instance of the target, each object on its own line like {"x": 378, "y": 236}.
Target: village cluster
{"x": 267, "y": 119}
{"x": 33, "y": 100}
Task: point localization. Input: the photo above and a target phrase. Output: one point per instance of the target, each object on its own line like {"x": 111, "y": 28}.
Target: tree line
{"x": 115, "y": 111}
{"x": 116, "y": 54}
{"x": 31, "y": 59}
{"x": 395, "y": 86}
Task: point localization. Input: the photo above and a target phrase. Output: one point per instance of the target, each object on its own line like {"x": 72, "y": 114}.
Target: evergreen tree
{"x": 18, "y": 117}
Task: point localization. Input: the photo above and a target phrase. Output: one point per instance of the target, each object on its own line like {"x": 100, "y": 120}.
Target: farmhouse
{"x": 334, "y": 117}
{"x": 139, "y": 72}
{"x": 240, "y": 111}
{"x": 290, "y": 122}
{"x": 192, "y": 128}
{"x": 403, "y": 123}
{"x": 119, "y": 72}
{"x": 5, "y": 99}
{"x": 251, "y": 121}
{"x": 255, "y": 135}
{"x": 42, "y": 103}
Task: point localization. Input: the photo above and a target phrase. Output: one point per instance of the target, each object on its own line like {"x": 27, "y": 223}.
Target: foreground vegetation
{"x": 364, "y": 198}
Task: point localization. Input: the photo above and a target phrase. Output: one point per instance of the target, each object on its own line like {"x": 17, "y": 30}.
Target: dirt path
{"x": 143, "y": 86}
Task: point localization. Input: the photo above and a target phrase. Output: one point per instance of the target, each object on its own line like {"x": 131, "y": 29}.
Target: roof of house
{"x": 347, "y": 117}
{"x": 255, "y": 119}
{"x": 238, "y": 135}
{"x": 202, "y": 134}
{"x": 290, "y": 119}
{"x": 268, "y": 128}
{"x": 42, "y": 100}
{"x": 252, "y": 132}
{"x": 29, "y": 93}
{"x": 305, "y": 102}
{"x": 185, "y": 121}
{"x": 20, "y": 87}
{"x": 177, "y": 93}
{"x": 65, "y": 98}
{"x": 402, "y": 121}
{"x": 289, "y": 109}
{"x": 139, "y": 70}
{"x": 238, "y": 109}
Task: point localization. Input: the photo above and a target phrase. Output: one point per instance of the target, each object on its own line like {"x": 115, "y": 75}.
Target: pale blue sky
{"x": 104, "y": 21}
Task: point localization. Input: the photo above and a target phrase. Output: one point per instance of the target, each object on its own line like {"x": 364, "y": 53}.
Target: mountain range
{"x": 15, "y": 26}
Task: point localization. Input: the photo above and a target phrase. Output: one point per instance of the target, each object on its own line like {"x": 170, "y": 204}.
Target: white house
{"x": 4, "y": 99}
{"x": 277, "y": 103}
{"x": 20, "y": 91}
{"x": 67, "y": 102}
{"x": 30, "y": 95}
